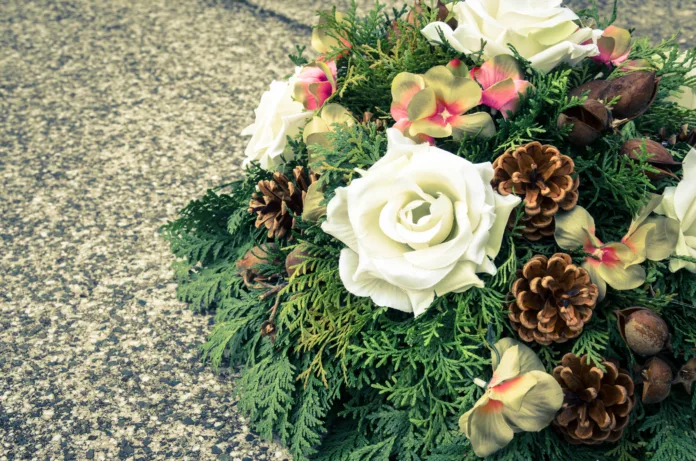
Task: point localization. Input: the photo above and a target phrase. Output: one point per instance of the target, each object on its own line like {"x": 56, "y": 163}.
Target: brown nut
{"x": 637, "y": 92}
{"x": 589, "y": 121}
{"x": 294, "y": 259}
{"x": 687, "y": 375}
{"x": 643, "y": 330}
{"x": 657, "y": 380}
{"x": 594, "y": 89}
{"x": 659, "y": 156}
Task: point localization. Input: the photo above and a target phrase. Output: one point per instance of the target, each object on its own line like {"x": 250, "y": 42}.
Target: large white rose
{"x": 277, "y": 117}
{"x": 680, "y": 203}
{"x": 420, "y": 222}
{"x": 540, "y": 30}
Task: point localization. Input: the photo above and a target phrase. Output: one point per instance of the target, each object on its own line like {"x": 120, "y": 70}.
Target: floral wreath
{"x": 464, "y": 229}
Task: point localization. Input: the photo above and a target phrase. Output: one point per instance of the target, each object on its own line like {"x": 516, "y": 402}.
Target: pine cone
{"x": 277, "y": 198}
{"x": 597, "y": 404}
{"x": 541, "y": 175}
{"x": 554, "y": 299}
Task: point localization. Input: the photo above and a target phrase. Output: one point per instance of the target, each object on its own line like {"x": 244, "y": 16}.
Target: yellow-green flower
{"x": 520, "y": 397}
{"x": 434, "y": 105}
{"x": 316, "y": 131}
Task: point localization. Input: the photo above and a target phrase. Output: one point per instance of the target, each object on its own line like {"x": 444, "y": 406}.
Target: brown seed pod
{"x": 252, "y": 259}
{"x": 657, "y": 380}
{"x": 295, "y": 258}
{"x": 593, "y": 88}
{"x": 643, "y": 330}
{"x": 637, "y": 90}
{"x": 269, "y": 329}
{"x": 659, "y": 156}
{"x": 687, "y": 375}
{"x": 589, "y": 121}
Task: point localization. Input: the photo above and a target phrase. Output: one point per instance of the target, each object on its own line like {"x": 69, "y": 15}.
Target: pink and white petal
{"x": 336, "y": 114}
{"x": 572, "y": 228}
{"x": 458, "y": 68}
{"x": 525, "y": 356}
{"x": 497, "y": 69}
{"x": 621, "y": 279}
{"x": 463, "y": 95}
{"x": 440, "y": 79}
{"x": 487, "y": 429}
{"x": 592, "y": 266}
{"x": 404, "y": 87}
{"x": 538, "y": 406}
{"x": 508, "y": 368}
{"x": 433, "y": 126}
{"x": 320, "y": 92}
{"x": 499, "y": 94}
{"x": 621, "y": 41}
{"x": 513, "y": 391}
{"x": 476, "y": 124}
{"x": 422, "y": 105}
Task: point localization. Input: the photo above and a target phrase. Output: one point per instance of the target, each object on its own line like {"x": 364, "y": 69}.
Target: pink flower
{"x": 502, "y": 82}
{"x": 435, "y": 104}
{"x": 614, "y": 46}
{"x": 315, "y": 84}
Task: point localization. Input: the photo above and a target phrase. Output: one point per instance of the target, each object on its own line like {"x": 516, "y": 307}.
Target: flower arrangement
{"x": 464, "y": 230}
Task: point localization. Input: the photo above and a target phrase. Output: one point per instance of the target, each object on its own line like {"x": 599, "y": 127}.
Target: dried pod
{"x": 589, "y": 121}
{"x": 643, "y": 330}
{"x": 294, "y": 259}
{"x": 593, "y": 89}
{"x": 269, "y": 329}
{"x": 413, "y": 17}
{"x": 254, "y": 257}
{"x": 657, "y": 380}
{"x": 659, "y": 156}
{"x": 687, "y": 375}
{"x": 637, "y": 90}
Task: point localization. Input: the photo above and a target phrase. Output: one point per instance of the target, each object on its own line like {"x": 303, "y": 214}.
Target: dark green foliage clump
{"x": 342, "y": 379}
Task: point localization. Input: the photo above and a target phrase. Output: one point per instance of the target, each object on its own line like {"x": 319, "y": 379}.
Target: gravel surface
{"x": 113, "y": 115}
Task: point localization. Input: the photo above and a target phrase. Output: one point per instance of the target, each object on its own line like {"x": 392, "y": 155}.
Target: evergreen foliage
{"x": 343, "y": 379}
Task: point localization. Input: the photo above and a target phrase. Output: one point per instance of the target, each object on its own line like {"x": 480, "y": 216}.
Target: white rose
{"x": 680, "y": 203}
{"x": 540, "y": 30}
{"x": 420, "y": 222}
{"x": 277, "y": 117}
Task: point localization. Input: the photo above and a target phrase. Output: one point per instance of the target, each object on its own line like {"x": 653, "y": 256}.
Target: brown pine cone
{"x": 596, "y": 404}
{"x": 277, "y": 198}
{"x": 542, "y": 176}
{"x": 554, "y": 299}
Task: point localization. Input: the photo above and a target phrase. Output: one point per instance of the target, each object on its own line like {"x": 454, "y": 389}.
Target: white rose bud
{"x": 277, "y": 117}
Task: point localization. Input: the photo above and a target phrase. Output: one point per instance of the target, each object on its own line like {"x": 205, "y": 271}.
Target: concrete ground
{"x": 113, "y": 115}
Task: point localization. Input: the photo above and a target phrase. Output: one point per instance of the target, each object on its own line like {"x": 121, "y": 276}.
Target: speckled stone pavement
{"x": 113, "y": 115}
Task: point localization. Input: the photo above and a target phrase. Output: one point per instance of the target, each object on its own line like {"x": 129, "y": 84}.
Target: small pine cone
{"x": 597, "y": 404}
{"x": 277, "y": 198}
{"x": 554, "y": 299}
{"x": 542, "y": 176}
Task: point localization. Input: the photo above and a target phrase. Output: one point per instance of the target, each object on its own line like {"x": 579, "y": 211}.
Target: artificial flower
{"x": 277, "y": 117}
{"x": 316, "y": 131}
{"x": 679, "y": 203}
{"x": 614, "y": 264}
{"x": 502, "y": 82}
{"x": 614, "y": 46}
{"x": 652, "y": 237}
{"x": 686, "y": 95}
{"x": 315, "y": 84}
{"x": 433, "y": 105}
{"x": 542, "y": 31}
{"x": 420, "y": 222}
{"x": 520, "y": 397}
{"x": 325, "y": 41}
